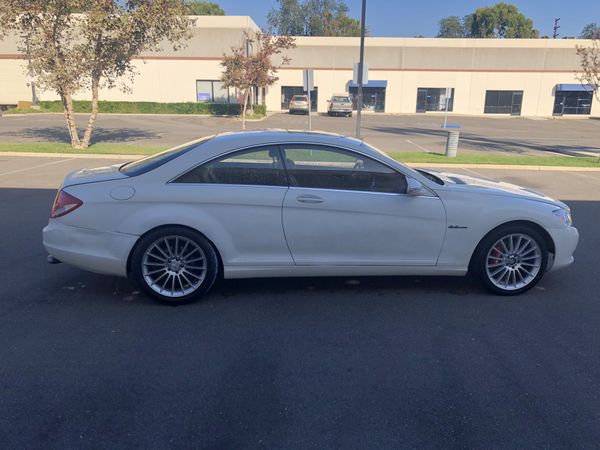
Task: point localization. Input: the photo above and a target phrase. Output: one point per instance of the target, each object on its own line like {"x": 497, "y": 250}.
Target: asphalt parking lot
{"x": 89, "y": 362}
{"x": 412, "y": 133}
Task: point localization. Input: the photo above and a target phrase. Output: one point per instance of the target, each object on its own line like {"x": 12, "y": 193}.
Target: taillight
{"x": 64, "y": 204}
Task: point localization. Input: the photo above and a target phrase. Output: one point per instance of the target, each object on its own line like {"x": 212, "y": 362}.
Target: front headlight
{"x": 564, "y": 215}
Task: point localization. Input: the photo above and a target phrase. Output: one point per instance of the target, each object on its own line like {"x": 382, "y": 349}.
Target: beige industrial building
{"x": 528, "y": 77}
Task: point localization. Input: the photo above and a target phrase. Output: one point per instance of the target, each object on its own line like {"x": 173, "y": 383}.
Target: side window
{"x": 257, "y": 166}
{"x": 331, "y": 168}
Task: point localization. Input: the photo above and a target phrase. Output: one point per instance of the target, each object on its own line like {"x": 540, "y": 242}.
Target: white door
{"x": 346, "y": 209}
{"x": 238, "y": 198}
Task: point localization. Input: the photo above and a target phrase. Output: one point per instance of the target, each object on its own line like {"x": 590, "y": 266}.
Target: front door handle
{"x": 307, "y": 198}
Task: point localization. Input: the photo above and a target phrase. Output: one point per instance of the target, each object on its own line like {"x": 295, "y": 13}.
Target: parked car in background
{"x": 282, "y": 203}
{"x": 299, "y": 104}
{"x": 340, "y": 105}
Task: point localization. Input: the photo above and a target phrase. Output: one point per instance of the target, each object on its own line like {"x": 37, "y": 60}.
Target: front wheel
{"x": 175, "y": 265}
{"x": 512, "y": 260}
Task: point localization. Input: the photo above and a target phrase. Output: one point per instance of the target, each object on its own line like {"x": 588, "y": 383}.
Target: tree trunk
{"x": 244, "y": 109}
{"x": 67, "y": 102}
{"x": 92, "y": 122}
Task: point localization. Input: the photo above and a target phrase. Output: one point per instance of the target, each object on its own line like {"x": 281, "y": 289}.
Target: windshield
{"x": 144, "y": 165}
{"x": 340, "y": 99}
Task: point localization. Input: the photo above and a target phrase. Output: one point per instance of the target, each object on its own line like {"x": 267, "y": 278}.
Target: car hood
{"x": 94, "y": 175}
{"x": 467, "y": 183}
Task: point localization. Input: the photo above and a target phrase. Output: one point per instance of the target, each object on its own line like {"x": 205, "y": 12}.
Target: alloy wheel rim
{"x": 174, "y": 266}
{"x": 513, "y": 262}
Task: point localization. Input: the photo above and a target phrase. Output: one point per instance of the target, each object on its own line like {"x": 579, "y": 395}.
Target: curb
{"x": 410, "y": 164}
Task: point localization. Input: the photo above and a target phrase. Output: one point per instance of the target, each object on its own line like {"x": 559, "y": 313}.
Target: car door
{"x": 344, "y": 208}
{"x": 237, "y": 199}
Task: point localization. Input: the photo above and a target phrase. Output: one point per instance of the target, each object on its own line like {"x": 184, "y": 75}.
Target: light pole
{"x": 361, "y": 62}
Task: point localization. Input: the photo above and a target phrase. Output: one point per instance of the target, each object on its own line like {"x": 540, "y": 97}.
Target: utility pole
{"x": 361, "y": 63}
{"x": 555, "y": 33}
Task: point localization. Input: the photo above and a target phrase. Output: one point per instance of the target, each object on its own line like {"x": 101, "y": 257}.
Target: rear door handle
{"x": 307, "y": 198}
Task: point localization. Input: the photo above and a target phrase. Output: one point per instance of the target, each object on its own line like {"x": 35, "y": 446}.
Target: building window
{"x": 572, "y": 99}
{"x": 373, "y": 95}
{"x": 287, "y": 92}
{"x": 503, "y": 102}
{"x": 435, "y": 99}
{"x": 213, "y": 91}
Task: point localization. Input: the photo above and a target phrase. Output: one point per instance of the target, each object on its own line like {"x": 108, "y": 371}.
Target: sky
{"x": 400, "y": 18}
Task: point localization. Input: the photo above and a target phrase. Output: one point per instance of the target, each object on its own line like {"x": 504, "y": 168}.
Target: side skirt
{"x": 231, "y": 272}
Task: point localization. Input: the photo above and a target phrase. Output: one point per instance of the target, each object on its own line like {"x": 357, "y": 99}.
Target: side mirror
{"x": 413, "y": 187}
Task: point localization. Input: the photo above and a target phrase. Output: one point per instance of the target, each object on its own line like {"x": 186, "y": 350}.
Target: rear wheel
{"x": 512, "y": 259}
{"x": 175, "y": 265}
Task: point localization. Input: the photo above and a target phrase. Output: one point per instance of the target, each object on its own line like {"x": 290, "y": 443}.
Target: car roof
{"x": 223, "y": 143}
{"x": 277, "y": 136}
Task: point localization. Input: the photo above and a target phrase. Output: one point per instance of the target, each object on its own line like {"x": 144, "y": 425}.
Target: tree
{"x": 92, "y": 49}
{"x": 502, "y": 20}
{"x": 287, "y": 19}
{"x": 204, "y": 9}
{"x": 313, "y": 18}
{"x": 590, "y": 63}
{"x": 590, "y": 31}
{"x": 451, "y": 27}
{"x": 244, "y": 70}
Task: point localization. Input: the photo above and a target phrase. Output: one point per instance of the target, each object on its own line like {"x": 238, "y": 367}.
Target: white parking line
{"x": 584, "y": 175}
{"x": 36, "y": 167}
{"x": 416, "y": 145}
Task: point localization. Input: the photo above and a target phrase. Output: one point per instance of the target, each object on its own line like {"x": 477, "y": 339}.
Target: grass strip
{"x": 405, "y": 157}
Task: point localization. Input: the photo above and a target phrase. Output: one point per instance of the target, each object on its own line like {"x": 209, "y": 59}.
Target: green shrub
{"x": 260, "y": 110}
{"x": 85, "y": 106}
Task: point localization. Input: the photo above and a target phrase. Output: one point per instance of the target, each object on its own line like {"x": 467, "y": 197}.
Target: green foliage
{"x": 590, "y": 31}
{"x": 405, "y": 157}
{"x": 260, "y": 110}
{"x": 204, "y": 9}
{"x": 503, "y": 20}
{"x": 83, "y": 106}
{"x": 451, "y": 27}
{"x": 313, "y": 18}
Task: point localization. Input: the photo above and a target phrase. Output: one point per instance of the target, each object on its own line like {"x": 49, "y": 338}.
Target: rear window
{"x": 299, "y": 97}
{"x": 340, "y": 99}
{"x": 144, "y": 165}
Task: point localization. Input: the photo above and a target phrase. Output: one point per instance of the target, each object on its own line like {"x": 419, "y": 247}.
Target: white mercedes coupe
{"x": 281, "y": 203}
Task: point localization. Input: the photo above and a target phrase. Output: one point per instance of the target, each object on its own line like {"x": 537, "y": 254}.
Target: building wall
{"x": 470, "y": 66}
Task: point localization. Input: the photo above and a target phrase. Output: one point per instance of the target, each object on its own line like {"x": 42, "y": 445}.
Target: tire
{"x": 172, "y": 280}
{"x": 511, "y": 259}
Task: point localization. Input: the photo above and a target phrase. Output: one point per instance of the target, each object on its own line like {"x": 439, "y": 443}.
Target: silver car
{"x": 340, "y": 105}
{"x": 299, "y": 104}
